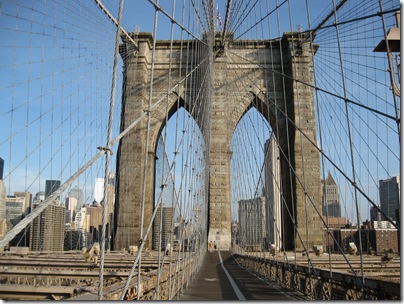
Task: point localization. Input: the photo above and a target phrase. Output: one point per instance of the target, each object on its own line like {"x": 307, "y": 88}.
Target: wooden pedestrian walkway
{"x": 220, "y": 278}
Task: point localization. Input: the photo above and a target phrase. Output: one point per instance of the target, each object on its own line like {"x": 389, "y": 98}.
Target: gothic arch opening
{"x": 250, "y": 176}
{"x": 179, "y": 184}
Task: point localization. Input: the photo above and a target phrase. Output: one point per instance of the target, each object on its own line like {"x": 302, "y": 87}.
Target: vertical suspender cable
{"x": 163, "y": 184}
{"x": 108, "y": 152}
{"x": 287, "y": 132}
{"x": 226, "y": 20}
{"x": 301, "y": 144}
{"x": 391, "y": 71}
{"x": 173, "y": 198}
{"x": 320, "y": 134}
{"x": 278, "y": 236}
{"x": 147, "y": 145}
{"x": 350, "y": 140}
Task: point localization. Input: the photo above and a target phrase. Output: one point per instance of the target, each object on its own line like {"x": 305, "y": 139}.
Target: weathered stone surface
{"x": 260, "y": 64}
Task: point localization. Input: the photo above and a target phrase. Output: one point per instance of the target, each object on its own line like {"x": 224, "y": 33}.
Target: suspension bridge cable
{"x": 317, "y": 108}
{"x": 159, "y": 8}
{"x": 146, "y": 152}
{"x": 108, "y": 154}
{"x": 163, "y": 186}
{"x": 322, "y": 152}
{"x": 350, "y": 142}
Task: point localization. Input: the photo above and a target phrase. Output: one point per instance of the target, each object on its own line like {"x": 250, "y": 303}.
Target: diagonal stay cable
{"x": 159, "y": 8}
{"x": 109, "y": 15}
{"x": 261, "y": 20}
{"x": 108, "y": 153}
{"x": 144, "y": 238}
{"x": 321, "y": 89}
{"x": 323, "y": 153}
{"x": 30, "y": 217}
{"x": 23, "y": 223}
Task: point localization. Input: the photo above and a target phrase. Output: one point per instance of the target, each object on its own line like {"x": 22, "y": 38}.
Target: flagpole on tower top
{"x": 217, "y": 15}
{"x": 218, "y": 18}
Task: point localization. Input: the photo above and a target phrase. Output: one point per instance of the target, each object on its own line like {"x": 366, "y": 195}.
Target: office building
{"x": 272, "y": 193}
{"x": 375, "y": 214}
{"x": 27, "y": 200}
{"x": 50, "y": 187}
{"x": 252, "y": 224}
{"x": 82, "y": 219}
{"x": 39, "y": 197}
{"x": 94, "y": 214}
{"x": 331, "y": 199}
{"x": 164, "y": 223}
{"x": 99, "y": 190}
{"x": 15, "y": 207}
{"x": 111, "y": 193}
{"x": 73, "y": 201}
{"x": 389, "y": 191}
{"x": 76, "y": 193}
{"x": 47, "y": 231}
{"x": 76, "y": 239}
{"x": 70, "y": 205}
{"x": 1, "y": 168}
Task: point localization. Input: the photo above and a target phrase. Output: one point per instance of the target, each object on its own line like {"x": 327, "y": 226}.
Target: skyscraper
{"x": 77, "y": 193}
{"x": 252, "y": 223}
{"x": 27, "y": 200}
{"x": 375, "y": 214}
{"x": 70, "y": 205}
{"x": 99, "y": 190}
{"x": 15, "y": 208}
{"x": 48, "y": 229}
{"x": 51, "y": 186}
{"x": 1, "y": 168}
{"x": 272, "y": 193}
{"x": 39, "y": 197}
{"x": 3, "y": 220}
{"x": 389, "y": 191}
{"x": 331, "y": 201}
{"x": 164, "y": 223}
{"x": 74, "y": 200}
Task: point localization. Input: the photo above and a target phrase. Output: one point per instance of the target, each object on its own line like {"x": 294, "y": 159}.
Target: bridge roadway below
{"x": 220, "y": 278}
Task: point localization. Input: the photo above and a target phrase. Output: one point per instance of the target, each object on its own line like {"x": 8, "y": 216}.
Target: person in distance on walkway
{"x": 210, "y": 246}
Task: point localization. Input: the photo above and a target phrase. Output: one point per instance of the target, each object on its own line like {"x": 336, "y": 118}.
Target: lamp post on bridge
{"x": 391, "y": 44}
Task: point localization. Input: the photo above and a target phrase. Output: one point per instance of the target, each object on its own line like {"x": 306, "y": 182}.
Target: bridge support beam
{"x": 300, "y": 163}
{"x": 219, "y": 156}
{"x": 132, "y": 151}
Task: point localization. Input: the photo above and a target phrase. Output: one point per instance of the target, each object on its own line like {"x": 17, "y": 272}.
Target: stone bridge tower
{"x": 259, "y": 63}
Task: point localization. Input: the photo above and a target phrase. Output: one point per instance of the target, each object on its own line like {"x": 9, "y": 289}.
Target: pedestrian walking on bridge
{"x": 210, "y": 246}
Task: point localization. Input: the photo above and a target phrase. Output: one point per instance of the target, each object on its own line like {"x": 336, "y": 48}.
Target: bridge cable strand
{"x": 317, "y": 107}
{"x": 163, "y": 185}
{"x": 321, "y": 151}
{"x": 287, "y": 208}
{"x": 108, "y": 153}
{"x": 251, "y": 169}
{"x": 350, "y": 140}
{"x": 146, "y": 153}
